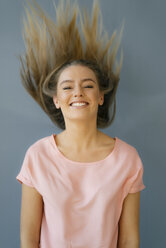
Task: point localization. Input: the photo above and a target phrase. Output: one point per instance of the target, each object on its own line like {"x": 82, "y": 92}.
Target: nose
{"x": 78, "y": 91}
{"x": 77, "y": 94}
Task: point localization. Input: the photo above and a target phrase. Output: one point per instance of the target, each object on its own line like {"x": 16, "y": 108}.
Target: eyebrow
{"x": 83, "y": 80}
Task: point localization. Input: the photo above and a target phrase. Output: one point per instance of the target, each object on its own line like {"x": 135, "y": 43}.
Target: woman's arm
{"x": 129, "y": 222}
{"x": 31, "y": 217}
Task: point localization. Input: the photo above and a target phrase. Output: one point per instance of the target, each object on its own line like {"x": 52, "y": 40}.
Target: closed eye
{"x": 88, "y": 86}
{"x": 66, "y": 88}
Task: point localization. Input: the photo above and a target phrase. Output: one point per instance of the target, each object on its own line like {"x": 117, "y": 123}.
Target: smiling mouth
{"x": 81, "y": 106}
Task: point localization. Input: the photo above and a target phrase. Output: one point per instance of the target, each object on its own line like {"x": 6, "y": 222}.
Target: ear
{"x": 55, "y": 100}
{"x": 101, "y": 99}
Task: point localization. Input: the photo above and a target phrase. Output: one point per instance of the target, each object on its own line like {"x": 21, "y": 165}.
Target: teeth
{"x": 78, "y": 104}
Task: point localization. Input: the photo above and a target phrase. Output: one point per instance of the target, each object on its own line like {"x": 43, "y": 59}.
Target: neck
{"x": 81, "y": 137}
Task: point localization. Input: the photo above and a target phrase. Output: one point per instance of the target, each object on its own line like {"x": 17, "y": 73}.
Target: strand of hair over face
{"x": 72, "y": 36}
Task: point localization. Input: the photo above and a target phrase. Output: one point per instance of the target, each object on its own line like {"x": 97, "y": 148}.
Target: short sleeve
{"x": 135, "y": 183}
{"x": 24, "y": 175}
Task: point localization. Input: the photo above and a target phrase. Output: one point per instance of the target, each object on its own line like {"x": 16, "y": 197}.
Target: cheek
{"x": 94, "y": 95}
{"x": 64, "y": 98}
{"x": 62, "y": 95}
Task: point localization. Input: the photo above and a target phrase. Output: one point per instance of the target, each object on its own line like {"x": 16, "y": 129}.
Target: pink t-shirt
{"x": 82, "y": 201}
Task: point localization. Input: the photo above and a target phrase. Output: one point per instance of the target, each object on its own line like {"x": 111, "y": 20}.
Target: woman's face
{"x": 78, "y": 83}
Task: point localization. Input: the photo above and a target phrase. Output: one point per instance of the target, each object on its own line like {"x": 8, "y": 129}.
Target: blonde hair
{"x": 52, "y": 45}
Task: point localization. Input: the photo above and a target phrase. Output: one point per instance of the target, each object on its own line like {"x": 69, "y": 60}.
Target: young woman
{"x": 81, "y": 187}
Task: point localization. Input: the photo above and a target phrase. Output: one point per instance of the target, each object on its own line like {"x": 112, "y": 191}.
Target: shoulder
{"x": 126, "y": 148}
{"x": 38, "y": 154}
{"x": 129, "y": 154}
{"x": 39, "y": 146}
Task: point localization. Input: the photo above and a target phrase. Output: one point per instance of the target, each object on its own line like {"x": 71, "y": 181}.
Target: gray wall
{"x": 140, "y": 118}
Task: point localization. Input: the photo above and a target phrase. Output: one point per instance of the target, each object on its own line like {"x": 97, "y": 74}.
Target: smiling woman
{"x": 83, "y": 184}
{"x": 78, "y": 83}
{"x": 51, "y": 47}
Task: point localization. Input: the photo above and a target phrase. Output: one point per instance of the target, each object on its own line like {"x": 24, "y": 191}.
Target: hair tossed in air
{"x": 73, "y": 38}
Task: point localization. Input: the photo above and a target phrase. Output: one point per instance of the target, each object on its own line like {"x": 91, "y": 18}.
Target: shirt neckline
{"x": 72, "y": 162}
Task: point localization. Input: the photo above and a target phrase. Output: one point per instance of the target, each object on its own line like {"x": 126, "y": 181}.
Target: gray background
{"x": 140, "y": 118}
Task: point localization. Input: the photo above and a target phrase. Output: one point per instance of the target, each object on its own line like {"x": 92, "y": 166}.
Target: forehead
{"x": 77, "y": 71}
